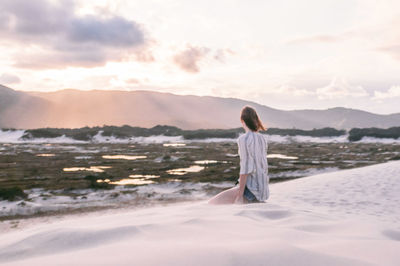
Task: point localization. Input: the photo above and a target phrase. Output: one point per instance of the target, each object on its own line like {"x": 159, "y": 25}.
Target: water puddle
{"x": 166, "y": 158}
{"x": 144, "y": 176}
{"x": 174, "y": 180}
{"x": 174, "y": 144}
{"x": 129, "y": 181}
{"x": 281, "y": 156}
{"x": 124, "y": 157}
{"x": 45, "y": 154}
{"x": 97, "y": 169}
{"x": 83, "y": 157}
{"x": 183, "y": 171}
{"x": 132, "y": 180}
{"x": 103, "y": 180}
{"x": 209, "y": 162}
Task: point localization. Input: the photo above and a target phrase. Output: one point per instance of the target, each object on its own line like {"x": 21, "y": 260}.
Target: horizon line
{"x": 154, "y": 91}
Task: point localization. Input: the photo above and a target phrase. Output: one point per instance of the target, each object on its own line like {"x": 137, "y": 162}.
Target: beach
{"x": 121, "y": 120}
{"x": 347, "y": 217}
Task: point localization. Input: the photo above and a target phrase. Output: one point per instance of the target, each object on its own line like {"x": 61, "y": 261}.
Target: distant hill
{"x": 21, "y": 110}
{"x": 75, "y": 108}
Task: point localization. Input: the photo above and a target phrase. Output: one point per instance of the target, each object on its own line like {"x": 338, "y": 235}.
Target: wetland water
{"x": 58, "y": 177}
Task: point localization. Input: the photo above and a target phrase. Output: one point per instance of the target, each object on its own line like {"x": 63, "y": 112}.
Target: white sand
{"x": 350, "y": 217}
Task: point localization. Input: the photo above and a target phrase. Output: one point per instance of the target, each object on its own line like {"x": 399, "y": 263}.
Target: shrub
{"x": 321, "y": 132}
{"x": 40, "y": 133}
{"x": 11, "y": 194}
{"x": 97, "y": 185}
{"x": 356, "y": 134}
{"x": 212, "y": 133}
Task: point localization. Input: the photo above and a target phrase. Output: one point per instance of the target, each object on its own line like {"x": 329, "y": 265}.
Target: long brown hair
{"x": 250, "y": 118}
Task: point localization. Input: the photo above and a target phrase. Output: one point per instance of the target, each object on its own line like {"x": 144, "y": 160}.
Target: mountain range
{"x": 71, "y": 108}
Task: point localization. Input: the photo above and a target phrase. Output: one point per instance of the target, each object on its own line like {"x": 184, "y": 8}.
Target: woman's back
{"x": 253, "y": 179}
{"x": 253, "y": 161}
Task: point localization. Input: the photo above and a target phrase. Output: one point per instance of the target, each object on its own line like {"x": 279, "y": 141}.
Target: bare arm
{"x": 242, "y": 183}
{"x": 240, "y": 189}
{"x": 244, "y": 169}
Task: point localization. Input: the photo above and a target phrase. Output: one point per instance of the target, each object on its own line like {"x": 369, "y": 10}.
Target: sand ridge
{"x": 347, "y": 217}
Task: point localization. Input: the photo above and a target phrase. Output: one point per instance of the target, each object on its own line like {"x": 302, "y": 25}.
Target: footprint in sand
{"x": 314, "y": 228}
{"x": 392, "y": 234}
{"x": 257, "y": 214}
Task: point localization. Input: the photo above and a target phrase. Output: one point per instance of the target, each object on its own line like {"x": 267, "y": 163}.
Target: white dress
{"x": 253, "y": 148}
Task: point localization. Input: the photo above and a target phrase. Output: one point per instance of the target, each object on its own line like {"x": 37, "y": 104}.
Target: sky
{"x": 286, "y": 54}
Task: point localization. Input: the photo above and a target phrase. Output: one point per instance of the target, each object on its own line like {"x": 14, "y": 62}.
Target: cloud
{"x": 292, "y": 91}
{"x": 36, "y": 17}
{"x": 221, "y": 54}
{"x": 4, "y": 21}
{"x": 392, "y": 92}
{"x": 322, "y": 38}
{"x": 393, "y": 50}
{"x": 115, "y": 31}
{"x": 390, "y": 40}
{"x": 55, "y": 36}
{"x": 144, "y": 56}
{"x": 340, "y": 88}
{"x": 9, "y": 79}
{"x": 132, "y": 81}
{"x": 189, "y": 58}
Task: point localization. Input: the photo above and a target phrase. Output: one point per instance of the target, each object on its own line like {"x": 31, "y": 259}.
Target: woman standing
{"x": 253, "y": 179}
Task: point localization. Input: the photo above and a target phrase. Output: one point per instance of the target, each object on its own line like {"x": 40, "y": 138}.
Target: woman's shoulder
{"x": 245, "y": 135}
{"x": 262, "y": 135}
{"x": 242, "y": 137}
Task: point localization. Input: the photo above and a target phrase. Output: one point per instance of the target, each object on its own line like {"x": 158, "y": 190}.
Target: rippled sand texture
{"x": 349, "y": 217}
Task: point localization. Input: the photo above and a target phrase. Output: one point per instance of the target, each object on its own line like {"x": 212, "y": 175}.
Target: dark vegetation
{"x": 322, "y": 132}
{"x": 87, "y": 133}
{"x": 212, "y": 133}
{"x": 358, "y": 133}
{"x": 126, "y": 132}
{"x": 96, "y": 185}
{"x": 13, "y": 193}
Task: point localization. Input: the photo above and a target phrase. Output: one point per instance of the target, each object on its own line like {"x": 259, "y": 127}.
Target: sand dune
{"x": 349, "y": 217}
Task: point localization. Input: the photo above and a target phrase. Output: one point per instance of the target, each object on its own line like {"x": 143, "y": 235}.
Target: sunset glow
{"x": 284, "y": 54}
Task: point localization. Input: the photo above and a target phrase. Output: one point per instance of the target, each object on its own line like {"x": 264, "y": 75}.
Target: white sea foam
{"x": 378, "y": 140}
{"x": 9, "y": 136}
{"x": 286, "y": 139}
{"x": 16, "y": 137}
{"x": 150, "y": 139}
